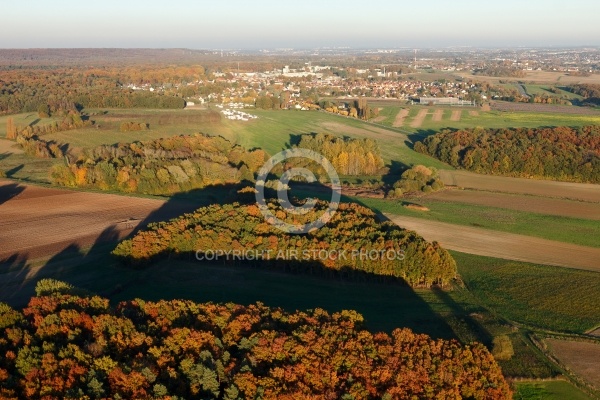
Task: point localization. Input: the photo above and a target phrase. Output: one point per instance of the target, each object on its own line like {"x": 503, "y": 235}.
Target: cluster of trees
{"x": 500, "y": 70}
{"x": 549, "y": 99}
{"x": 370, "y": 246}
{"x": 71, "y": 120}
{"x": 559, "y": 153}
{"x": 67, "y": 346}
{"x": 53, "y": 90}
{"x": 38, "y": 147}
{"x": 358, "y": 109}
{"x": 348, "y": 156}
{"x": 31, "y": 142}
{"x": 417, "y": 179}
{"x": 162, "y": 166}
{"x": 134, "y": 126}
{"x": 590, "y": 92}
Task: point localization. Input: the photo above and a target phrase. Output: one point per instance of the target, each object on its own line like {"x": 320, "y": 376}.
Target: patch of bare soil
{"x": 8, "y": 146}
{"x": 456, "y": 115}
{"x": 416, "y": 207}
{"x": 580, "y": 357}
{"x": 40, "y": 222}
{"x": 535, "y": 204}
{"x": 437, "y": 115}
{"x": 560, "y": 190}
{"x": 400, "y": 117}
{"x": 418, "y": 120}
{"x": 474, "y": 113}
{"x": 378, "y": 119}
{"x": 508, "y": 246}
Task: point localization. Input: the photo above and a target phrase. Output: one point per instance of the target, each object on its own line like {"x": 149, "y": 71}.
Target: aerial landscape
{"x": 316, "y": 200}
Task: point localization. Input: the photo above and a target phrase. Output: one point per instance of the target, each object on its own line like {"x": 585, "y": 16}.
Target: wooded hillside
{"x": 387, "y": 249}
{"x": 70, "y": 347}
{"x": 560, "y": 153}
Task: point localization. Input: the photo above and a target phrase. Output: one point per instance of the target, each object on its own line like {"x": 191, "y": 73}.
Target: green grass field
{"x": 542, "y": 90}
{"x": 275, "y": 130}
{"x": 485, "y": 119}
{"x": 24, "y": 119}
{"x": 552, "y": 390}
{"x": 26, "y": 168}
{"x": 545, "y": 297}
{"x": 563, "y": 229}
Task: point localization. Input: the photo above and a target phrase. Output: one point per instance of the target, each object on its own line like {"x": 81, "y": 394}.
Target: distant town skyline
{"x": 237, "y": 24}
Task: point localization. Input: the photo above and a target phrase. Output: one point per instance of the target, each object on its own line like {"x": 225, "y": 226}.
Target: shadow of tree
{"x": 11, "y": 172}
{"x": 9, "y": 190}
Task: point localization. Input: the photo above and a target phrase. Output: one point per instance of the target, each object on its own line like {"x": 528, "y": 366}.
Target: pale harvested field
{"x": 437, "y": 115}
{"x": 542, "y": 108}
{"x": 456, "y": 115}
{"x": 400, "y": 117}
{"x": 40, "y": 222}
{"x": 561, "y": 190}
{"x": 7, "y": 146}
{"x": 582, "y": 358}
{"x": 508, "y": 246}
{"x": 418, "y": 120}
{"x": 538, "y": 77}
{"x": 535, "y": 204}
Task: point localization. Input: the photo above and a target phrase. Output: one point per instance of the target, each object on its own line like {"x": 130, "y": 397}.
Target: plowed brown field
{"x": 535, "y": 204}
{"x": 38, "y": 222}
{"x": 560, "y": 190}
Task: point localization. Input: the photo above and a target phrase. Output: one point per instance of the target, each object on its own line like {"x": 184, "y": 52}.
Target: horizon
{"x": 310, "y": 25}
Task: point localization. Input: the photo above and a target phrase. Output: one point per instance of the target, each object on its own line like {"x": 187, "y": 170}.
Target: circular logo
{"x": 282, "y": 190}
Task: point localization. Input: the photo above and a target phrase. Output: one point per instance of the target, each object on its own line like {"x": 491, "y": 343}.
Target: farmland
{"x": 526, "y": 250}
{"x": 551, "y": 390}
{"x": 579, "y": 357}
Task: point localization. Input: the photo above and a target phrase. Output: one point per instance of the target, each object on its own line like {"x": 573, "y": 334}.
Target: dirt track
{"x": 535, "y": 204}
{"x": 560, "y": 190}
{"x": 418, "y": 120}
{"x": 508, "y": 246}
{"x": 456, "y": 115}
{"x": 400, "y": 117}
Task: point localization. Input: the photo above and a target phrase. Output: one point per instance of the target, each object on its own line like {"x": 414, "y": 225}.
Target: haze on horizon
{"x": 237, "y": 24}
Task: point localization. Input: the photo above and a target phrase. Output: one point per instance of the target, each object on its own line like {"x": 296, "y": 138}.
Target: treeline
{"x": 70, "y": 347}
{"x": 417, "y": 179}
{"x": 500, "y": 71}
{"x": 134, "y": 126}
{"x": 356, "y": 109}
{"x": 560, "y": 153}
{"x": 590, "y": 92}
{"x": 370, "y": 247}
{"x": 31, "y": 142}
{"x": 162, "y": 166}
{"x": 348, "y": 156}
{"x": 56, "y": 90}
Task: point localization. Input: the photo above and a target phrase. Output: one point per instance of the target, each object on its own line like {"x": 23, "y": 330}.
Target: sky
{"x": 237, "y": 24}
